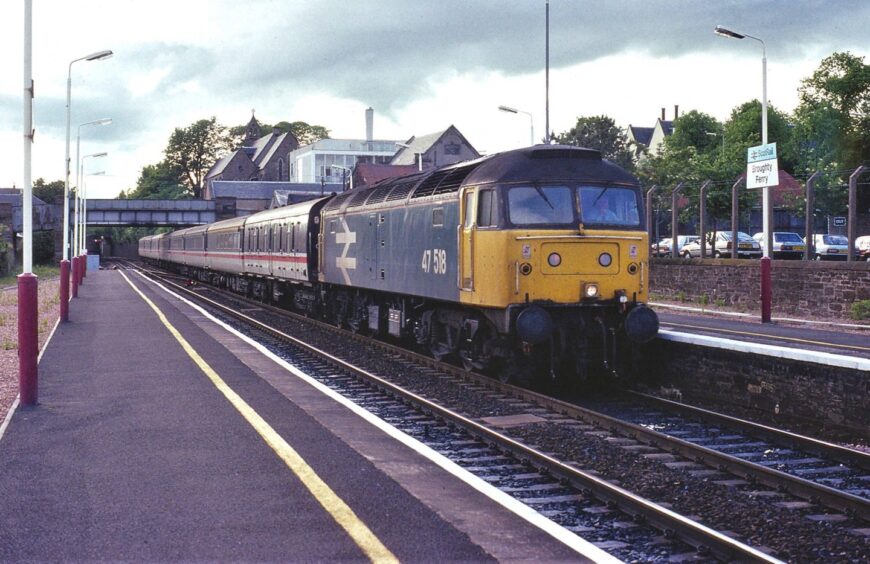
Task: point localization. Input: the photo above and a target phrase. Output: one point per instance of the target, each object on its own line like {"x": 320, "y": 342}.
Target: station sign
{"x": 762, "y": 167}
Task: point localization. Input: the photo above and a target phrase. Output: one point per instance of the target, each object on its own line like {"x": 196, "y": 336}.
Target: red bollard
{"x": 81, "y": 270}
{"x": 84, "y": 265}
{"x": 766, "y": 290}
{"x": 28, "y": 338}
{"x": 75, "y": 277}
{"x": 64, "y": 290}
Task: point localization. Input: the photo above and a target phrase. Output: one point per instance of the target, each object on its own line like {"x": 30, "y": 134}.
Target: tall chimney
{"x": 676, "y": 111}
{"x": 663, "y": 114}
{"x": 370, "y": 118}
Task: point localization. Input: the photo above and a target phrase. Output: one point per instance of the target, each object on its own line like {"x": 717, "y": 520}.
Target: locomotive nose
{"x": 641, "y": 324}
{"x": 534, "y": 325}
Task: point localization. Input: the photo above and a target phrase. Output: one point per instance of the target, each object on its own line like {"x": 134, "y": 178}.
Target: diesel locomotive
{"x": 528, "y": 263}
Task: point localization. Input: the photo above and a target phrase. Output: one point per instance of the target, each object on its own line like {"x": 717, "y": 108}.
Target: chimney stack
{"x": 663, "y": 114}
{"x": 676, "y": 111}
{"x": 370, "y": 117}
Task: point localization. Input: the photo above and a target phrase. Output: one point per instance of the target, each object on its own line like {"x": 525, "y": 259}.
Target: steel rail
{"x": 706, "y": 540}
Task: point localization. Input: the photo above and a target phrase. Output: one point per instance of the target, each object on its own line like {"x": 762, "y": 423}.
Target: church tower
{"x": 252, "y": 132}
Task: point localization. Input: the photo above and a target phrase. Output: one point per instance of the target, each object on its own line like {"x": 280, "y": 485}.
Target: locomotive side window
{"x": 609, "y": 205}
{"x": 438, "y": 217}
{"x": 487, "y": 209}
{"x": 541, "y": 205}
{"x": 469, "y": 204}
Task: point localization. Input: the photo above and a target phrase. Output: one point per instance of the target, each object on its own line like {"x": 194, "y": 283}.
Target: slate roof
{"x": 15, "y": 199}
{"x": 667, "y": 126}
{"x": 261, "y": 146}
{"x": 308, "y": 191}
{"x": 273, "y": 148}
{"x": 642, "y": 135}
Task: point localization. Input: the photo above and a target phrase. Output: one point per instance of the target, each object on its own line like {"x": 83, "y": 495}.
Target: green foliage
{"x": 193, "y": 150}
{"x": 43, "y": 247}
{"x": 860, "y": 310}
{"x": 49, "y": 192}
{"x": 704, "y": 300}
{"x": 600, "y": 132}
{"x": 162, "y": 181}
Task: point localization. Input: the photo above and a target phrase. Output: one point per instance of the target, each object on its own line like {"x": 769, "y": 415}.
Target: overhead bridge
{"x": 150, "y": 213}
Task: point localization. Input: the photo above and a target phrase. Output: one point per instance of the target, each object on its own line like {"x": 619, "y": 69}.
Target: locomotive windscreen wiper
{"x": 598, "y": 197}
{"x": 540, "y": 191}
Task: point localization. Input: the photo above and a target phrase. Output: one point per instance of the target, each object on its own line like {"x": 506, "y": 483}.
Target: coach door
{"x": 466, "y": 243}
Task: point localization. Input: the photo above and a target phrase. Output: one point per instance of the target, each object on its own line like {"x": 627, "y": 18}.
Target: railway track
{"x": 502, "y": 452}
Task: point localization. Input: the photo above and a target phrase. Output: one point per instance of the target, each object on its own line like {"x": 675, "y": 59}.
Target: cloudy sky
{"x": 421, "y": 64}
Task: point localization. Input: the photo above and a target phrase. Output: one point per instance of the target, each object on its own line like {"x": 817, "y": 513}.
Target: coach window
{"x": 487, "y": 209}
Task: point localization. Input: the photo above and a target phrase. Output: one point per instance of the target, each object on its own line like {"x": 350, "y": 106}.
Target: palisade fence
{"x": 660, "y": 194}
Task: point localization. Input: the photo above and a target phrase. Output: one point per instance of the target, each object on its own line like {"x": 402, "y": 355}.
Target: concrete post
{"x": 735, "y": 214}
{"x": 853, "y": 208}
{"x": 675, "y": 229}
{"x": 702, "y": 219}
{"x": 809, "y": 251}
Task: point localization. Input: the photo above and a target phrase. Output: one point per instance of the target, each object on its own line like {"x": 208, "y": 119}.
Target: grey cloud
{"x": 382, "y": 53}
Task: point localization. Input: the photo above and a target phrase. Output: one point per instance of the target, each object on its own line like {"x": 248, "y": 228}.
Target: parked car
{"x": 663, "y": 247}
{"x": 720, "y": 246}
{"x": 786, "y": 245}
{"x": 830, "y": 247}
{"x": 862, "y": 248}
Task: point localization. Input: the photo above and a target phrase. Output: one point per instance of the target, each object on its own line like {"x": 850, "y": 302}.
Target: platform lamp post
{"x": 84, "y": 231}
{"x": 28, "y": 290}
{"x": 510, "y": 110}
{"x": 722, "y": 32}
{"x": 78, "y": 266}
{"x": 64, "y": 286}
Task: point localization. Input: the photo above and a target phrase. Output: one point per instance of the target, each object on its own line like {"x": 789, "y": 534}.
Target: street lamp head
{"x": 104, "y": 121}
{"x": 99, "y": 55}
{"x": 721, "y": 31}
{"x": 508, "y": 109}
{"x": 95, "y": 155}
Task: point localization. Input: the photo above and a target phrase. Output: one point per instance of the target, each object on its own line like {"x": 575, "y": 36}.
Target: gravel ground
{"x": 49, "y": 310}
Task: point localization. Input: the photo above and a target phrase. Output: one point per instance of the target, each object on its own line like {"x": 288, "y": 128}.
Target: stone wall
{"x": 781, "y": 388}
{"x": 818, "y": 289}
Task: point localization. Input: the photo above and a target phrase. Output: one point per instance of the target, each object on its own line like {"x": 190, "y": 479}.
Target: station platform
{"x": 140, "y": 450}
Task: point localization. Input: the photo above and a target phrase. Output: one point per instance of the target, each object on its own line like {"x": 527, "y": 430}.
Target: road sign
{"x": 839, "y": 222}
{"x": 762, "y": 167}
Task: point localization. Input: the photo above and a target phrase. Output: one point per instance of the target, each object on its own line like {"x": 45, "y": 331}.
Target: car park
{"x": 862, "y": 248}
{"x": 830, "y": 247}
{"x": 663, "y": 248}
{"x": 719, "y": 246}
{"x": 786, "y": 245}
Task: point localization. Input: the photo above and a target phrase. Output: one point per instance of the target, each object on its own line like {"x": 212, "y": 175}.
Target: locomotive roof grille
{"x": 359, "y": 198}
{"x": 430, "y": 184}
{"x": 336, "y": 202}
{"x": 444, "y": 181}
{"x": 402, "y": 189}
{"x": 549, "y": 152}
{"x": 379, "y": 193}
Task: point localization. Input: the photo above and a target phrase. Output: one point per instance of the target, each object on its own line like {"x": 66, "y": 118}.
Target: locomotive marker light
{"x": 605, "y": 259}
{"x": 554, "y": 259}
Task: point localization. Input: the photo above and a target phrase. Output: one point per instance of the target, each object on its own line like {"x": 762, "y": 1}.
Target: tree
{"x": 49, "y": 192}
{"x": 194, "y": 149}
{"x": 304, "y": 133}
{"x": 600, "y": 132}
{"x": 161, "y": 181}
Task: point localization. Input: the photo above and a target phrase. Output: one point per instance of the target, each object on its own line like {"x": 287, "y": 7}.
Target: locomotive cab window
{"x": 540, "y": 205}
{"x": 609, "y": 205}
{"x": 487, "y": 209}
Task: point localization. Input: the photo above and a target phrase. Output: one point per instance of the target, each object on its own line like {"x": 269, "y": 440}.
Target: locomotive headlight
{"x": 590, "y": 291}
{"x": 605, "y": 260}
{"x": 554, "y": 260}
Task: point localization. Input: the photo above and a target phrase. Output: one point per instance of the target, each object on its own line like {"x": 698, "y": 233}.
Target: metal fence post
{"x": 675, "y": 251}
{"x": 853, "y": 205}
{"x": 811, "y": 210}
{"x": 702, "y": 216}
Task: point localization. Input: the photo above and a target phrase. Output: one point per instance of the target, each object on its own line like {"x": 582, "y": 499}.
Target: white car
{"x": 862, "y": 248}
{"x": 786, "y": 245}
{"x": 830, "y": 247}
{"x": 747, "y": 247}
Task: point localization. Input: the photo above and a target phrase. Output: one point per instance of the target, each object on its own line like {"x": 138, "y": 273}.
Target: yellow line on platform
{"x": 337, "y": 508}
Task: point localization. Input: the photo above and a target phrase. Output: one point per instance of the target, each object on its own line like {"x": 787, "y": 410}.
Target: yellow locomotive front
{"x": 559, "y": 265}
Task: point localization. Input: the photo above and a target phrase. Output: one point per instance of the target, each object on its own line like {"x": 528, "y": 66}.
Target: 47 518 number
{"x": 435, "y": 261}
